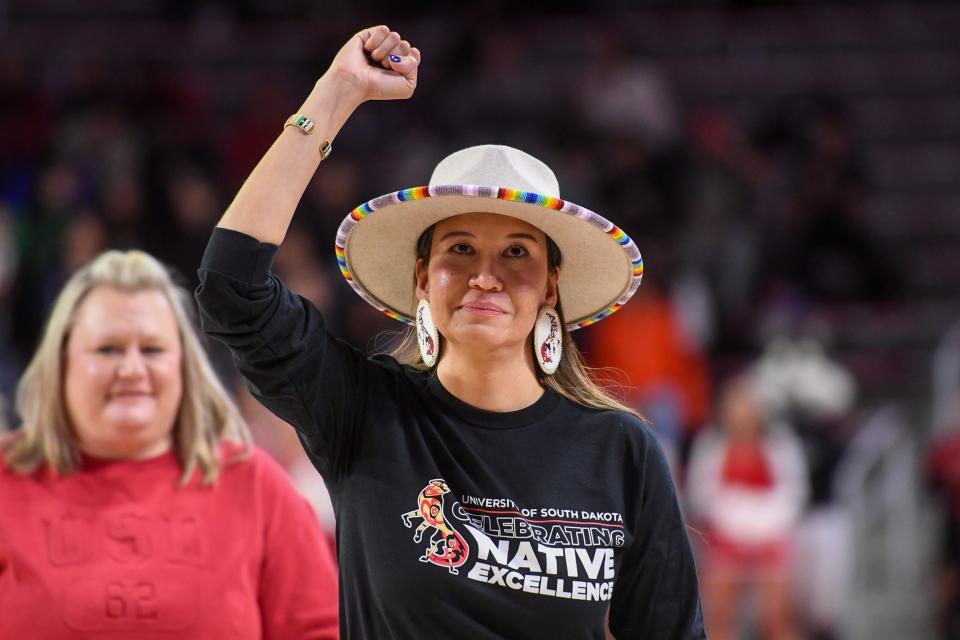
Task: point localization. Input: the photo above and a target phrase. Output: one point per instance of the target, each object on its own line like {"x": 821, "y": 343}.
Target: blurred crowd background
{"x": 790, "y": 172}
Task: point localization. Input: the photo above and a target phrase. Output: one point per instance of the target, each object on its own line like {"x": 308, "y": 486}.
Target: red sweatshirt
{"x": 117, "y": 550}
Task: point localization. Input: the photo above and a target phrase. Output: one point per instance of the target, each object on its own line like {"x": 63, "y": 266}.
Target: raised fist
{"x": 377, "y": 64}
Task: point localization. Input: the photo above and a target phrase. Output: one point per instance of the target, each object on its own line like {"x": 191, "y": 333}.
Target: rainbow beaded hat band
{"x": 376, "y": 242}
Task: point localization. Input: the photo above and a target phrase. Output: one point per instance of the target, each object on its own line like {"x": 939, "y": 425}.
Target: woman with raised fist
{"x": 484, "y": 485}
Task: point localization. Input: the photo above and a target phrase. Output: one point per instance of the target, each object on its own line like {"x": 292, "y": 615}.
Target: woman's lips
{"x": 130, "y": 394}
{"x": 483, "y": 308}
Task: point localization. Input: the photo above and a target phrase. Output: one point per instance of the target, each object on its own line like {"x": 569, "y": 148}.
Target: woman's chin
{"x": 127, "y": 447}
{"x": 140, "y": 425}
{"x": 480, "y": 337}
{"x": 130, "y": 418}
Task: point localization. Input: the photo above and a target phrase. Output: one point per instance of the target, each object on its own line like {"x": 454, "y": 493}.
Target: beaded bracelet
{"x": 305, "y": 125}
{"x": 301, "y": 121}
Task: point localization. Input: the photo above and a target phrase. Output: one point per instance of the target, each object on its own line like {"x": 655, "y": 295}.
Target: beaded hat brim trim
{"x": 523, "y": 205}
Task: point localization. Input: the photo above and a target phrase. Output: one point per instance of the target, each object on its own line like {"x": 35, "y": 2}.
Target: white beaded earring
{"x": 548, "y": 340}
{"x": 428, "y": 339}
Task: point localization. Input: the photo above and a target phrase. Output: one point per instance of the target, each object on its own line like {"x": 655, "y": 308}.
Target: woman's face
{"x": 123, "y": 381}
{"x": 486, "y": 280}
{"x": 740, "y": 412}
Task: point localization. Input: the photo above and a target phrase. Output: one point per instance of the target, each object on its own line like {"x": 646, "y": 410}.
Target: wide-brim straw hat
{"x": 376, "y": 244}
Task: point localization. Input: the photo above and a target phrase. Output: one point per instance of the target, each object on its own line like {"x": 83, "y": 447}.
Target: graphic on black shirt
{"x": 446, "y": 548}
{"x": 547, "y": 551}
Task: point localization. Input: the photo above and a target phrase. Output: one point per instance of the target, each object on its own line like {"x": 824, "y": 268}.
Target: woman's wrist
{"x": 330, "y": 104}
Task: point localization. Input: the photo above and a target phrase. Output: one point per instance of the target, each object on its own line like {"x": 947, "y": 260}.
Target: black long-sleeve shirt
{"x": 453, "y": 521}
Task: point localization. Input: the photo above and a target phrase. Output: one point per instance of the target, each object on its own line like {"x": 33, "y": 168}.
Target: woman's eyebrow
{"x": 467, "y": 234}
{"x": 451, "y": 234}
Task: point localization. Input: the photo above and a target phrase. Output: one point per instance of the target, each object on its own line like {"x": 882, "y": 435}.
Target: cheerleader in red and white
{"x": 747, "y": 485}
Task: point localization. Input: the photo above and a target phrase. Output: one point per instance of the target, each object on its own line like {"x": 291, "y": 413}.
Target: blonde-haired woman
{"x": 485, "y": 487}
{"x": 133, "y": 502}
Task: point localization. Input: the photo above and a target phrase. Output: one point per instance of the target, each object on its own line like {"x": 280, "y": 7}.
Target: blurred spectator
{"x": 666, "y": 374}
{"x": 86, "y": 238}
{"x": 9, "y": 263}
{"x": 123, "y": 204}
{"x": 747, "y": 486}
{"x": 721, "y": 242}
{"x": 9, "y": 255}
{"x": 41, "y": 230}
{"x": 193, "y": 207}
{"x": 25, "y": 122}
{"x": 98, "y": 136}
{"x": 258, "y": 124}
{"x": 944, "y": 473}
{"x": 798, "y": 376}
{"x": 800, "y": 384}
{"x": 503, "y": 94}
{"x": 628, "y": 95}
{"x": 819, "y": 240}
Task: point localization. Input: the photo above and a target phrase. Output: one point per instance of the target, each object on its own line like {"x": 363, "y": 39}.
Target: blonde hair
{"x": 573, "y": 379}
{"x": 207, "y": 416}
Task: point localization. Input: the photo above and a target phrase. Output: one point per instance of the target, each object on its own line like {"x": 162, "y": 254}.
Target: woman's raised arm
{"x": 375, "y": 64}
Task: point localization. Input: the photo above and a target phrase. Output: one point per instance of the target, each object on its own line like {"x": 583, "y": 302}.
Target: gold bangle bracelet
{"x": 305, "y": 125}
{"x": 300, "y": 121}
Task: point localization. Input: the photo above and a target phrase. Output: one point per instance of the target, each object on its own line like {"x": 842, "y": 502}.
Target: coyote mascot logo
{"x": 423, "y": 335}
{"x": 551, "y": 343}
{"x": 446, "y": 547}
